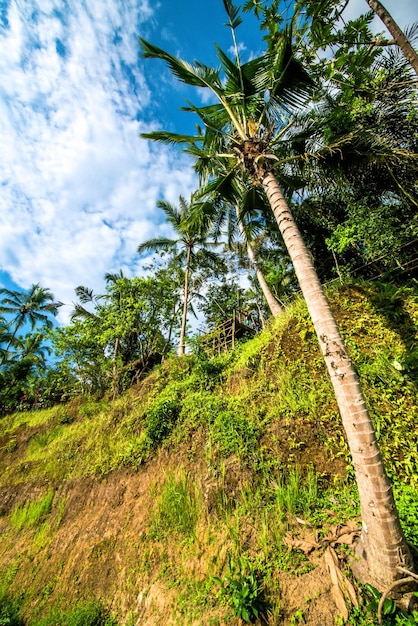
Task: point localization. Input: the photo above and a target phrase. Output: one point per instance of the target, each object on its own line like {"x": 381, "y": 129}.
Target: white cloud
{"x": 241, "y": 48}
{"x": 79, "y": 188}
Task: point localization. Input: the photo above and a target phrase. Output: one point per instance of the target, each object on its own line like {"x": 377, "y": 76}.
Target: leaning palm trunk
{"x": 186, "y": 298}
{"x": 397, "y": 33}
{"x": 272, "y": 303}
{"x": 382, "y": 546}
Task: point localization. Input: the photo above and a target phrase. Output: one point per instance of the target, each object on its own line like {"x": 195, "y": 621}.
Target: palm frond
{"x": 214, "y": 117}
{"x": 158, "y": 244}
{"x": 233, "y": 13}
{"x": 172, "y": 213}
{"x": 169, "y": 138}
{"x": 80, "y": 312}
{"x": 197, "y": 75}
{"x": 84, "y": 294}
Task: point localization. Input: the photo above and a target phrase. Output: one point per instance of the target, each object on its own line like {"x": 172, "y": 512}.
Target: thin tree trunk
{"x": 170, "y": 331}
{"x": 186, "y": 298}
{"x": 382, "y": 546}
{"x": 115, "y": 372}
{"x": 272, "y": 303}
{"x": 398, "y": 35}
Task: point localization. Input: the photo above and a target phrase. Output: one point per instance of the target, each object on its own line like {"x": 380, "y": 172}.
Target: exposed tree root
{"x": 397, "y": 583}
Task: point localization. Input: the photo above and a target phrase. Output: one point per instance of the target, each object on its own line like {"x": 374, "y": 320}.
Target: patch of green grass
{"x": 200, "y": 408}
{"x": 32, "y": 513}
{"x": 85, "y": 613}
{"x": 177, "y": 507}
{"x": 295, "y": 494}
{"x": 26, "y": 419}
{"x": 91, "y": 407}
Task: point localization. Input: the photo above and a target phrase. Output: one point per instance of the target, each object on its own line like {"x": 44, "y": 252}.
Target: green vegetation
{"x": 32, "y": 513}
{"x": 206, "y": 490}
{"x": 177, "y": 508}
{"x": 247, "y": 466}
{"x": 83, "y": 614}
{"x": 9, "y": 612}
{"x": 243, "y": 591}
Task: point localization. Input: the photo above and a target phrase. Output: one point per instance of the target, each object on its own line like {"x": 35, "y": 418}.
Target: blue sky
{"x": 78, "y": 187}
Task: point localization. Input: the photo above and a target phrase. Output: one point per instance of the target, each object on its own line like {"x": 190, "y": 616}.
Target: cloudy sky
{"x": 78, "y": 186}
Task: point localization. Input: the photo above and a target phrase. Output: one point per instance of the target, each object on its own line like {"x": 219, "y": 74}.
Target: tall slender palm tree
{"x": 275, "y": 308}
{"x": 399, "y": 37}
{"x": 244, "y": 129}
{"x": 27, "y": 307}
{"x": 190, "y": 247}
{"x": 35, "y": 350}
{"x": 226, "y": 212}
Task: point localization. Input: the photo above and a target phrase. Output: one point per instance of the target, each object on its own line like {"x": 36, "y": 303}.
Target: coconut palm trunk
{"x": 397, "y": 33}
{"x": 185, "y": 303}
{"x": 382, "y": 545}
{"x": 272, "y": 303}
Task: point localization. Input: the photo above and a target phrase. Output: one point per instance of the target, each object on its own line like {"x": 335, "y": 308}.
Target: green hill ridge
{"x": 212, "y": 491}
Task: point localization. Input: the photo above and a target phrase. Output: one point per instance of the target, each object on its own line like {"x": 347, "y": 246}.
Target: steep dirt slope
{"x": 206, "y": 473}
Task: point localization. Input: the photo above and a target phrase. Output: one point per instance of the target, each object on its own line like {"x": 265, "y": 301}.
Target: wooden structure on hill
{"x": 223, "y": 337}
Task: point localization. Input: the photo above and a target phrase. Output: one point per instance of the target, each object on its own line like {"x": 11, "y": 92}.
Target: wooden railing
{"x": 223, "y": 337}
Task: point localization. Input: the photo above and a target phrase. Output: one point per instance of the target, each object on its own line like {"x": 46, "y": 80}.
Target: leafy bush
{"x": 243, "y": 591}
{"x": 161, "y": 419}
{"x": 407, "y": 503}
{"x": 366, "y": 613}
{"x": 209, "y": 370}
{"x": 9, "y": 612}
{"x": 233, "y": 433}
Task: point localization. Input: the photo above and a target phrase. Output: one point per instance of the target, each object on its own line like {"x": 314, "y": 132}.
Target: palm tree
{"x": 399, "y": 37}
{"x": 244, "y": 128}
{"x": 233, "y": 205}
{"x": 275, "y": 308}
{"x": 190, "y": 247}
{"x": 7, "y": 339}
{"x": 35, "y": 350}
{"x": 33, "y": 307}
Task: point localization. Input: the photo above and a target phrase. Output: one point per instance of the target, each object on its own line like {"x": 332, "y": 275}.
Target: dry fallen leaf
{"x": 342, "y": 589}
{"x": 336, "y": 591}
{"x": 347, "y": 538}
{"x": 305, "y": 545}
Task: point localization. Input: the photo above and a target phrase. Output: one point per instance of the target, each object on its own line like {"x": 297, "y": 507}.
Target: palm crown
{"x": 191, "y": 246}
{"x": 254, "y": 100}
{"x": 33, "y": 307}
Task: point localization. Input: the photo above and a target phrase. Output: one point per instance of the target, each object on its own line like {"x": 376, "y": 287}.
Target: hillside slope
{"x": 209, "y": 478}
